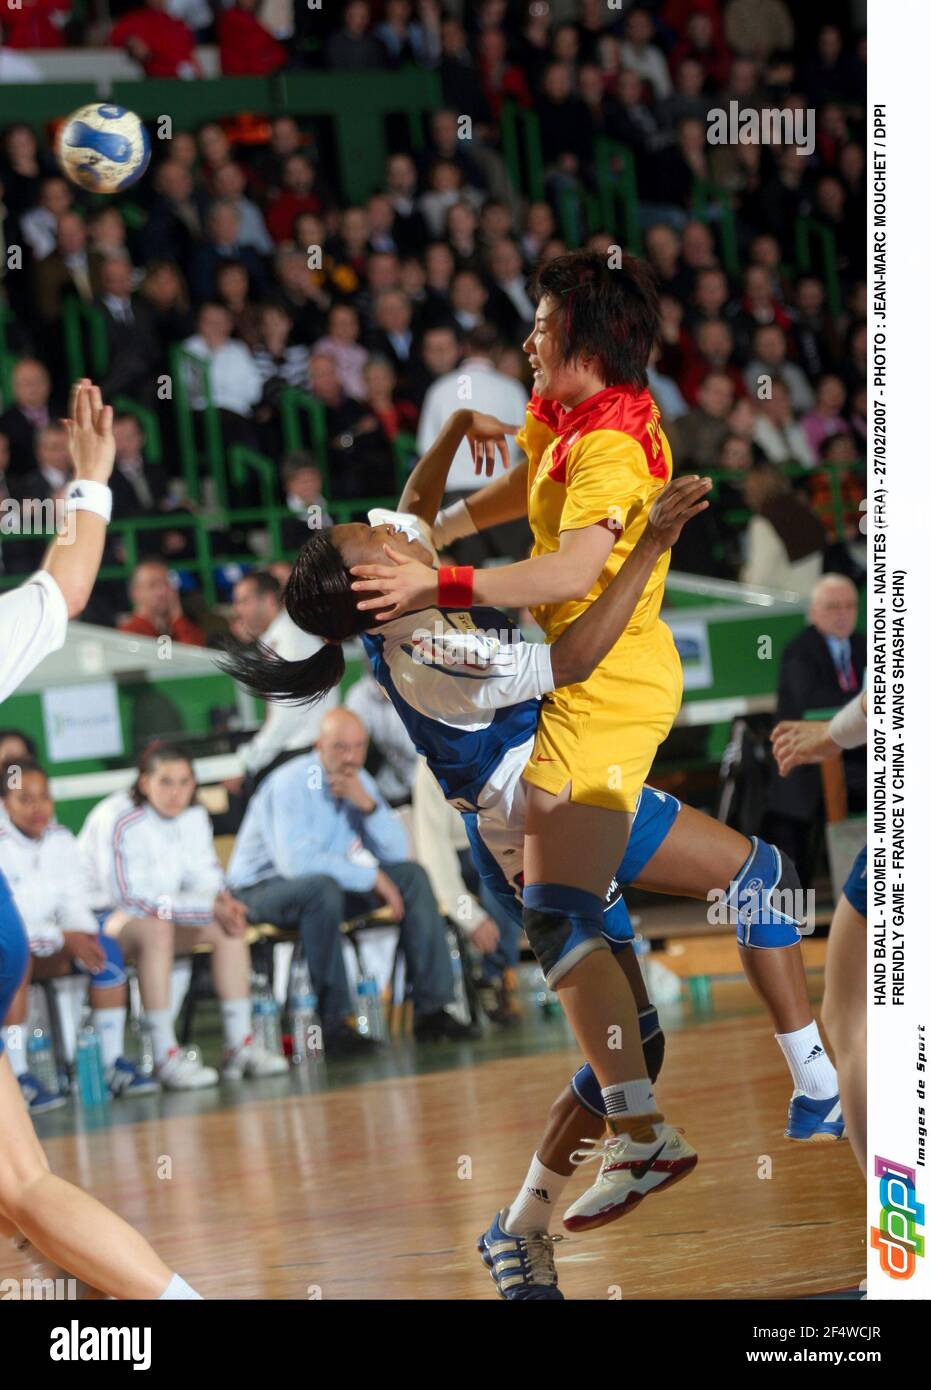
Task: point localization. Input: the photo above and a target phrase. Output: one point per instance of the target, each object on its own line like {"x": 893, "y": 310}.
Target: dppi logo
{"x": 896, "y": 1237}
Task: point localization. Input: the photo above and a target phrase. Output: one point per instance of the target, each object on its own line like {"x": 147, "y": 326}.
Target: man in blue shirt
{"x": 319, "y": 844}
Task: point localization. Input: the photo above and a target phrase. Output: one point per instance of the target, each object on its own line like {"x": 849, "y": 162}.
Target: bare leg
{"x": 149, "y": 942}
{"x": 844, "y": 1016}
{"x": 229, "y": 960}
{"x": 66, "y": 1224}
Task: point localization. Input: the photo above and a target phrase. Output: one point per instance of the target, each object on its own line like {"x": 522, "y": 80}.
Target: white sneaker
{"x": 252, "y": 1060}
{"x": 629, "y": 1172}
{"x": 184, "y": 1071}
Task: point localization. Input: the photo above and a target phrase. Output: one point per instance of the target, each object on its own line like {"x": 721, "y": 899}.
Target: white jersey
{"x": 468, "y": 689}
{"x": 46, "y": 878}
{"x": 150, "y": 865}
{"x": 33, "y": 623}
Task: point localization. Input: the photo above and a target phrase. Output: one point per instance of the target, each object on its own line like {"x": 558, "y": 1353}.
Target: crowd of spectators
{"x": 251, "y": 257}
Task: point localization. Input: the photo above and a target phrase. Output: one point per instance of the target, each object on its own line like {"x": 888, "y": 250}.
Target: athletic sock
{"x": 16, "y": 1049}
{"x": 237, "y": 1021}
{"x": 630, "y": 1106}
{"x": 812, "y": 1070}
{"x": 178, "y": 1288}
{"x": 162, "y": 1028}
{"x": 110, "y": 1027}
{"x": 532, "y": 1208}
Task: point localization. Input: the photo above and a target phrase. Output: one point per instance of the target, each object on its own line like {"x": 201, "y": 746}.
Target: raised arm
{"x": 73, "y": 559}
{"x": 423, "y": 491}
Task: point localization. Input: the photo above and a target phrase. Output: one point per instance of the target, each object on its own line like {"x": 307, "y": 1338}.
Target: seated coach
{"x": 318, "y": 845}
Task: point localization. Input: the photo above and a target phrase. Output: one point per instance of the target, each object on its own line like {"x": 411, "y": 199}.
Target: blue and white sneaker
{"x": 523, "y": 1267}
{"x": 814, "y": 1121}
{"x": 124, "y": 1078}
{"x": 37, "y": 1098}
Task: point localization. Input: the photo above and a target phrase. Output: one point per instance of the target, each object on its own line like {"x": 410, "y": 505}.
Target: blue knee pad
{"x": 764, "y": 898}
{"x": 563, "y": 924}
{"x": 584, "y": 1084}
{"x": 113, "y": 972}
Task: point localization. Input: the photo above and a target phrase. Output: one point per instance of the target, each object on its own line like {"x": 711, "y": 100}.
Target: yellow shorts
{"x": 602, "y": 735}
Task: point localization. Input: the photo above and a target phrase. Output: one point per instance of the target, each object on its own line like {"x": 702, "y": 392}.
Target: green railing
{"x": 808, "y": 230}
{"x": 183, "y": 365}
{"x": 739, "y": 516}
{"x": 715, "y": 207}
{"x": 303, "y": 421}
{"x": 7, "y": 359}
{"x": 79, "y": 318}
{"x": 616, "y": 180}
{"x": 148, "y": 423}
{"x": 520, "y": 145}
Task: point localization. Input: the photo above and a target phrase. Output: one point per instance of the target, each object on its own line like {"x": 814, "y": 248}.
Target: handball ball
{"x": 103, "y": 148}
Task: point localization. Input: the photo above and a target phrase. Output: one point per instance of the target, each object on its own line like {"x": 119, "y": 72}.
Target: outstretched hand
{"x": 486, "y": 434}
{"x": 400, "y": 586}
{"x": 675, "y": 505}
{"x": 90, "y": 432}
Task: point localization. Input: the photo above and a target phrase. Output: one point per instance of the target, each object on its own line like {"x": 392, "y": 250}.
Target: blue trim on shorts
{"x": 14, "y": 950}
{"x": 855, "y": 887}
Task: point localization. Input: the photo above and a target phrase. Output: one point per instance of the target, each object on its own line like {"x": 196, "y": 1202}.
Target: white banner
{"x": 82, "y": 721}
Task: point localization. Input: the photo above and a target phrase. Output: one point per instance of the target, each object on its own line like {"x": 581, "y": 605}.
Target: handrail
{"x": 295, "y": 404}
{"x": 805, "y": 229}
{"x": 830, "y": 467}
{"x": 182, "y": 361}
{"x": 616, "y": 179}
{"x": 148, "y": 423}
{"x": 73, "y": 312}
{"x": 704, "y": 194}
{"x": 526, "y": 173}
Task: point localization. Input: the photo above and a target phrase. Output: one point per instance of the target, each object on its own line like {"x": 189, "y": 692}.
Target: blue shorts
{"x": 14, "y": 950}
{"x": 656, "y": 812}
{"x": 855, "y": 887}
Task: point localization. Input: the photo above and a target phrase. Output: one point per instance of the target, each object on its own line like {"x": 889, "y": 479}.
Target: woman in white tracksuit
{"x": 42, "y": 865}
{"x": 151, "y": 865}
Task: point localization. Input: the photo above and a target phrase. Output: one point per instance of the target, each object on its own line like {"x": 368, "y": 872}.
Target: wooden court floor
{"x": 379, "y": 1190}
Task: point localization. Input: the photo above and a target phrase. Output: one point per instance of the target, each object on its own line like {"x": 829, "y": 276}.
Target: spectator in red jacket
{"x": 157, "y": 607}
{"x": 247, "y": 49}
{"x": 30, "y": 23}
{"x": 297, "y": 195}
{"x": 163, "y": 45}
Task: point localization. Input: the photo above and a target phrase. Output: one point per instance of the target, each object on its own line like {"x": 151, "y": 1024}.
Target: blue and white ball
{"x": 103, "y": 148}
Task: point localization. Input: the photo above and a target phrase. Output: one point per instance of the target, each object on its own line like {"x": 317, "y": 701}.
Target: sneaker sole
{"x": 820, "y": 1136}
{"x": 47, "y": 1106}
{"x": 630, "y": 1203}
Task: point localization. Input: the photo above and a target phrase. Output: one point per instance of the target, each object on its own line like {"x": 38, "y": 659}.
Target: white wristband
{"x": 85, "y": 495}
{"x": 453, "y": 523}
{"x": 848, "y": 727}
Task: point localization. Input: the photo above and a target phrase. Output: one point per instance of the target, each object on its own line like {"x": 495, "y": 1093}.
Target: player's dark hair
{"x": 150, "y": 760}
{"x": 608, "y": 314}
{"x": 12, "y": 774}
{"x": 320, "y": 599}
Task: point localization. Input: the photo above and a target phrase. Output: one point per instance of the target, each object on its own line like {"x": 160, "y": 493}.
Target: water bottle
{"x": 306, "y": 1043}
{"x": 144, "y": 1049}
{"x": 92, "y": 1083}
{"x": 40, "y": 1060}
{"x": 371, "y": 1018}
{"x": 266, "y": 1025}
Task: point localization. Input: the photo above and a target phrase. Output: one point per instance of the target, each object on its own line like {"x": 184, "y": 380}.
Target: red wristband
{"x": 455, "y": 586}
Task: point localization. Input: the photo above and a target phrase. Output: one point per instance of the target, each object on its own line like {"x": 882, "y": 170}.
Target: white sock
{"x": 532, "y": 1208}
{"x": 237, "y": 1021}
{"x": 811, "y": 1067}
{"x": 110, "y": 1026}
{"x": 177, "y": 1288}
{"x": 16, "y": 1051}
{"x": 162, "y": 1027}
{"x": 629, "y": 1098}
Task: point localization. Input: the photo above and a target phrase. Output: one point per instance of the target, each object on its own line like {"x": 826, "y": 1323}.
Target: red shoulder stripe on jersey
{"x": 634, "y": 413}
